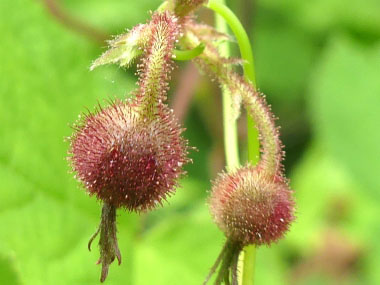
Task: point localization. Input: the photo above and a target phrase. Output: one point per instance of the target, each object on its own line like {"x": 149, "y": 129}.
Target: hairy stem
{"x": 248, "y": 263}
{"x": 156, "y": 66}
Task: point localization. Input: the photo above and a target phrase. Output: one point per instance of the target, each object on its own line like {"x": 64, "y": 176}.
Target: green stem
{"x": 241, "y": 37}
{"x": 247, "y": 266}
{"x": 249, "y": 260}
{"x": 231, "y": 144}
{"x": 189, "y": 54}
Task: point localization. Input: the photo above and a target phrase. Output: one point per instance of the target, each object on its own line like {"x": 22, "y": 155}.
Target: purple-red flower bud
{"x": 251, "y": 207}
{"x": 126, "y": 159}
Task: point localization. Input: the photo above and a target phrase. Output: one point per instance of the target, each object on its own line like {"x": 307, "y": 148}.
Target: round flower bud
{"x": 251, "y": 207}
{"x": 128, "y": 159}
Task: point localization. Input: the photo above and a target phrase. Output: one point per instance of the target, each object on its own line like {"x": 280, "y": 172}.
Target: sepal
{"x": 125, "y": 48}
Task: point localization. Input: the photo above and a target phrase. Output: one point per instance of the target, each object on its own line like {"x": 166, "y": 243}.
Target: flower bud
{"x": 251, "y": 207}
{"x": 127, "y": 160}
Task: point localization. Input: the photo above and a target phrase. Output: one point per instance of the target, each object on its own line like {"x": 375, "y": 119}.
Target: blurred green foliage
{"x": 319, "y": 64}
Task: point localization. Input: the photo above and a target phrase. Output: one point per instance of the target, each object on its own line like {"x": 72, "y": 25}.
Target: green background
{"x": 319, "y": 64}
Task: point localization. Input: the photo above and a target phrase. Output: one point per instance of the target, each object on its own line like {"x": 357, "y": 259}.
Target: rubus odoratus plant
{"x": 130, "y": 154}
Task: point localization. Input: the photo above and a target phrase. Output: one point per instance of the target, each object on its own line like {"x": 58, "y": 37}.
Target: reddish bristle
{"x": 126, "y": 160}
{"x": 155, "y": 69}
{"x": 251, "y": 207}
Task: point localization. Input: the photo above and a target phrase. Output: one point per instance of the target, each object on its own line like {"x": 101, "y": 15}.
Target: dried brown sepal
{"x": 226, "y": 265}
{"x": 109, "y": 249}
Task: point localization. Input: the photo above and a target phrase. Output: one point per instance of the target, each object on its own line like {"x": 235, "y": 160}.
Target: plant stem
{"x": 231, "y": 145}
{"x": 241, "y": 37}
{"x": 189, "y": 54}
{"x": 248, "y": 263}
{"x": 248, "y": 266}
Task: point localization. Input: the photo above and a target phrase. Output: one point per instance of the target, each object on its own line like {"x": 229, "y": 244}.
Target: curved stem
{"x": 241, "y": 37}
{"x": 247, "y": 277}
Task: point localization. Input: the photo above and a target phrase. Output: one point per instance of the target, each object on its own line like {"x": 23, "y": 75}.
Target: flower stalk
{"x": 130, "y": 154}
{"x": 229, "y": 123}
{"x": 154, "y": 71}
{"x": 248, "y": 256}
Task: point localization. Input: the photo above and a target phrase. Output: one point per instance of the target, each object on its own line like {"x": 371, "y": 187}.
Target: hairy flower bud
{"x": 127, "y": 160}
{"x": 251, "y": 207}
{"x": 131, "y": 154}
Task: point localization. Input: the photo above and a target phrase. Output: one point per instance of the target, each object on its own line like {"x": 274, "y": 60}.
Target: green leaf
{"x": 345, "y": 100}
{"x": 283, "y": 58}
{"x": 180, "y": 250}
{"x": 322, "y": 17}
{"x": 112, "y": 15}
{"x": 46, "y": 219}
{"x": 331, "y": 202}
{"x": 8, "y": 274}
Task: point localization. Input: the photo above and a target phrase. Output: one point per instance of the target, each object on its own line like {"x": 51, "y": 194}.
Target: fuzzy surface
{"x": 127, "y": 160}
{"x": 156, "y": 65}
{"x": 251, "y": 207}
